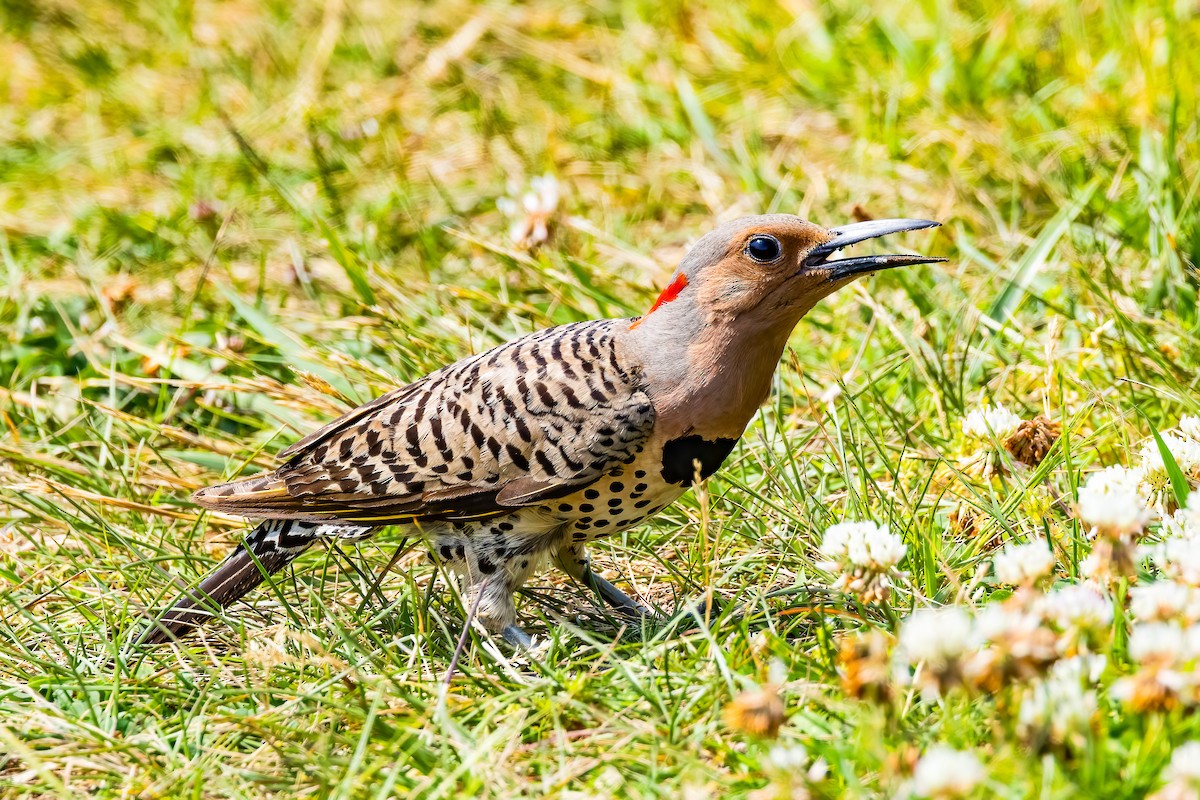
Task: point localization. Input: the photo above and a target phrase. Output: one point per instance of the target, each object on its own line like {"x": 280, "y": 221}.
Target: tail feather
{"x": 269, "y": 548}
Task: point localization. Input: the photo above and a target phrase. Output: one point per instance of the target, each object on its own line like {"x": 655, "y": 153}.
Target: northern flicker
{"x": 532, "y": 450}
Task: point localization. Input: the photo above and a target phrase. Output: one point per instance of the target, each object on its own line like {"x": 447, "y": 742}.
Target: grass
{"x": 223, "y": 223}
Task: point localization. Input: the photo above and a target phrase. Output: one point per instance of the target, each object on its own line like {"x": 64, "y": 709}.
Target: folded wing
{"x": 527, "y": 422}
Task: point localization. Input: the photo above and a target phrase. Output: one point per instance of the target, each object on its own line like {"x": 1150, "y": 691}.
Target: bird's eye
{"x": 763, "y": 249}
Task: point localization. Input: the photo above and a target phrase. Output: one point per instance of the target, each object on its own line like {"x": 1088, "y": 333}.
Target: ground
{"x": 222, "y": 223}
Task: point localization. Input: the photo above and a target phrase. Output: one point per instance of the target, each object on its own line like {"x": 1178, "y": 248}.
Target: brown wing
{"x": 532, "y": 420}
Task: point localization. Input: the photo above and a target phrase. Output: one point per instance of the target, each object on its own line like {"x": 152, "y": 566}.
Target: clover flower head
{"x": 1166, "y": 676}
{"x": 1008, "y": 643}
{"x": 1060, "y": 708}
{"x": 937, "y": 636}
{"x": 862, "y": 665}
{"x": 1184, "y": 523}
{"x": 1185, "y": 764}
{"x": 1185, "y": 450}
{"x": 1156, "y": 643}
{"x": 943, "y": 773}
{"x": 1156, "y": 485}
{"x": 1077, "y": 607}
{"x": 1033, "y": 439}
{"x": 863, "y": 544}
{"x": 866, "y": 556}
{"x": 1024, "y": 564}
{"x": 1178, "y": 559}
{"x": 1111, "y": 503}
{"x": 989, "y": 421}
{"x": 531, "y": 213}
{"x": 1164, "y": 601}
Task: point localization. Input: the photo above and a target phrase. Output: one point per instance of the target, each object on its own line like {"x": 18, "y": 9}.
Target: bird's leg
{"x": 494, "y": 605}
{"x": 517, "y": 637}
{"x": 573, "y": 560}
{"x": 485, "y": 596}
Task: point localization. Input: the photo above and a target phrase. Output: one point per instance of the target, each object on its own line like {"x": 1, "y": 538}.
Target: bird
{"x": 529, "y": 452}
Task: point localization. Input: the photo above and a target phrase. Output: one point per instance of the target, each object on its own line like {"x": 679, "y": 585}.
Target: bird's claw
{"x": 517, "y": 638}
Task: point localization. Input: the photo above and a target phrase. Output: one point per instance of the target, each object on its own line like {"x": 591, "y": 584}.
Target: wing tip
{"x": 256, "y": 489}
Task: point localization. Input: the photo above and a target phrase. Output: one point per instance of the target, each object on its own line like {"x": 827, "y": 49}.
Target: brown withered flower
{"x": 1032, "y": 440}
{"x": 863, "y": 664}
{"x": 759, "y": 712}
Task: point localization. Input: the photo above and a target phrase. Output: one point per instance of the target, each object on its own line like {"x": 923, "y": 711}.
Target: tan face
{"x": 764, "y": 268}
{"x": 773, "y": 269}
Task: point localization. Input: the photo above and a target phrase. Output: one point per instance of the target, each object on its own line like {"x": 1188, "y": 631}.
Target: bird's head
{"x": 769, "y": 270}
{"x": 716, "y": 332}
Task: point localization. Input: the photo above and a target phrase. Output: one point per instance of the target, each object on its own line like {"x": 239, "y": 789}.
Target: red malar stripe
{"x": 668, "y": 294}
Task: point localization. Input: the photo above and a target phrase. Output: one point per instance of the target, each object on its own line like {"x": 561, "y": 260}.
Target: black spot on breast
{"x": 680, "y": 457}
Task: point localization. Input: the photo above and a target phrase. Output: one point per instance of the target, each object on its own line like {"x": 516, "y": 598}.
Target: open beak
{"x": 860, "y": 232}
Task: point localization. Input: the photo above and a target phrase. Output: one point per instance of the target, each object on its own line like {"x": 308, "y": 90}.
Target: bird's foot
{"x": 517, "y": 638}
{"x": 706, "y": 609}
{"x": 703, "y": 610}
{"x": 614, "y": 597}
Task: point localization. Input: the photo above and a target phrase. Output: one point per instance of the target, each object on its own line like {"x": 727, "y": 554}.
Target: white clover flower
{"x": 1024, "y": 564}
{"x": 1189, "y": 427}
{"x": 792, "y": 758}
{"x": 1164, "y": 680}
{"x": 1184, "y": 523}
{"x": 937, "y": 636}
{"x": 1156, "y": 483}
{"x": 792, "y": 763}
{"x": 1178, "y": 559}
{"x": 866, "y": 555}
{"x": 1156, "y": 642}
{"x": 1185, "y": 766}
{"x": 1060, "y": 707}
{"x": 1163, "y": 601}
{"x": 987, "y": 421}
{"x": 863, "y": 544}
{"x": 944, "y": 772}
{"x": 1111, "y": 503}
{"x": 1008, "y": 642}
{"x": 1077, "y": 607}
{"x": 1191, "y": 642}
{"x": 1185, "y": 451}
{"x": 1114, "y": 480}
{"x": 531, "y": 214}
{"x": 997, "y": 622}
